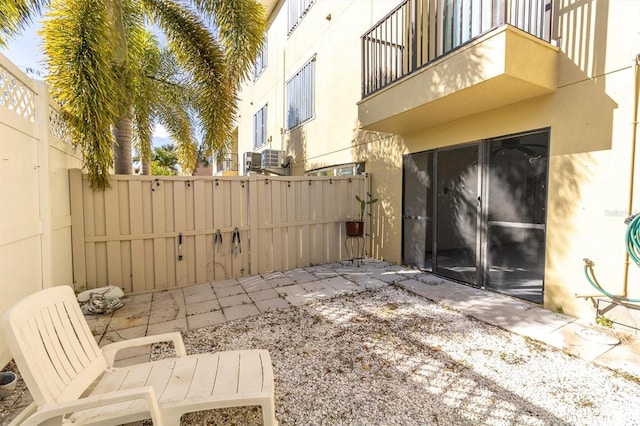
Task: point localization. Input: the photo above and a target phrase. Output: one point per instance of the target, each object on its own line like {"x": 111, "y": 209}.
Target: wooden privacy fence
{"x": 151, "y": 233}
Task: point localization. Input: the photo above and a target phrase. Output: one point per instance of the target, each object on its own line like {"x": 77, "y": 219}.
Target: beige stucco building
{"x": 500, "y": 135}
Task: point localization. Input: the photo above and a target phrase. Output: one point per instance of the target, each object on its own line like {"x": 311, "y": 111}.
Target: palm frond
{"x": 78, "y": 44}
{"x": 174, "y": 112}
{"x": 199, "y": 54}
{"x": 241, "y": 27}
{"x": 105, "y": 68}
{"x": 15, "y": 15}
{"x": 144, "y": 59}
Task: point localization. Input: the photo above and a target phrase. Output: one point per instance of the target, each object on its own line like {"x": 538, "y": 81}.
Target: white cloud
{"x": 159, "y": 131}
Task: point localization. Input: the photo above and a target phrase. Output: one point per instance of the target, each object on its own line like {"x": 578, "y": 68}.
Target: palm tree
{"x": 165, "y": 158}
{"x": 108, "y": 72}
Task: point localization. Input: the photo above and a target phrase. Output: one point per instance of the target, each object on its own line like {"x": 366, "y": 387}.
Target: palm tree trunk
{"x": 122, "y": 132}
{"x": 146, "y": 167}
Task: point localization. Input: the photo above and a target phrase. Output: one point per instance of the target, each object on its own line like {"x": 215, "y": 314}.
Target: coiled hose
{"x": 632, "y": 238}
{"x": 632, "y": 243}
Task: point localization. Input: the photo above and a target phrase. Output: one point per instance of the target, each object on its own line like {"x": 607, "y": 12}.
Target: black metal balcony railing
{"x": 417, "y": 32}
{"x": 229, "y": 163}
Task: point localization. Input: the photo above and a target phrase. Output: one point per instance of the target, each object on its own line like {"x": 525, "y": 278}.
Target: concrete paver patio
{"x": 214, "y": 303}
{"x": 217, "y": 302}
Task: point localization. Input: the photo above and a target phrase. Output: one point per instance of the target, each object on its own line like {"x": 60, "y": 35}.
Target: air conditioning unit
{"x": 272, "y": 158}
{"x": 251, "y": 162}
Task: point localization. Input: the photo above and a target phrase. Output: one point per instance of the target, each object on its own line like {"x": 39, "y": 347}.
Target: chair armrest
{"x": 109, "y": 351}
{"x": 51, "y": 411}
{"x": 26, "y": 412}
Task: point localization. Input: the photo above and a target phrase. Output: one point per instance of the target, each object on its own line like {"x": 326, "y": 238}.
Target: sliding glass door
{"x": 417, "y": 213}
{"x": 516, "y": 215}
{"x": 457, "y": 208}
{"x": 476, "y": 213}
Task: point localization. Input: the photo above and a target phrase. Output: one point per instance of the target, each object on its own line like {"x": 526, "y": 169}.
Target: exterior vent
{"x": 272, "y": 159}
{"x": 250, "y": 162}
{"x": 255, "y": 161}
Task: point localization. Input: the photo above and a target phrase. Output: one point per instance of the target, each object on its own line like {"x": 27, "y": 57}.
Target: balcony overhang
{"x": 502, "y": 67}
{"x": 269, "y": 6}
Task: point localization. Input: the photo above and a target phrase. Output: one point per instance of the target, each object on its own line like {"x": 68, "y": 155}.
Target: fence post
{"x": 42, "y": 133}
{"x": 254, "y": 266}
{"x": 77, "y": 229}
{"x": 366, "y": 190}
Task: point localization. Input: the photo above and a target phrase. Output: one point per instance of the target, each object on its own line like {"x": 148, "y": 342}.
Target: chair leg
{"x": 269, "y": 414}
{"x": 171, "y": 419}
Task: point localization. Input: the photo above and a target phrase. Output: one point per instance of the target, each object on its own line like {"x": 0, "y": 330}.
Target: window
{"x": 296, "y": 10}
{"x": 261, "y": 61}
{"x": 340, "y": 170}
{"x": 260, "y": 128}
{"x": 300, "y": 95}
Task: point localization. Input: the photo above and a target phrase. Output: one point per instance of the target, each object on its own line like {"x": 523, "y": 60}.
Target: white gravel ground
{"x": 386, "y": 357}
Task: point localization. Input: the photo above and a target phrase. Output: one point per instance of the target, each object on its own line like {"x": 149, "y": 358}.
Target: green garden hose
{"x": 632, "y": 243}
{"x": 632, "y": 238}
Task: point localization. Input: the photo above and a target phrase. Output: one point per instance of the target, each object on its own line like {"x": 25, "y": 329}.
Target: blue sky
{"x": 24, "y": 51}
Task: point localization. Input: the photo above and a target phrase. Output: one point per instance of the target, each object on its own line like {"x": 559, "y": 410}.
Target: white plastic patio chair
{"x": 73, "y": 381}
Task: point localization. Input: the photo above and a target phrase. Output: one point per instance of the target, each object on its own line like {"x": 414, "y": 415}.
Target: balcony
{"x": 429, "y": 62}
{"x": 227, "y": 166}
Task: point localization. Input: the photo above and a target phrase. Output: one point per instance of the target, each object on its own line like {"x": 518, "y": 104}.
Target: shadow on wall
{"x": 584, "y": 127}
{"x": 382, "y": 153}
{"x": 296, "y": 147}
{"x": 567, "y": 176}
{"x": 584, "y": 103}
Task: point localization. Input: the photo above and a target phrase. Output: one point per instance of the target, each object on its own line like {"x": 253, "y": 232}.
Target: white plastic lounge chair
{"x": 73, "y": 381}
